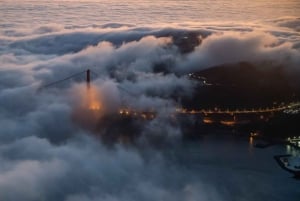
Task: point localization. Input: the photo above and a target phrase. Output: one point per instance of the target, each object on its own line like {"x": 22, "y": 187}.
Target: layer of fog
{"x": 45, "y": 155}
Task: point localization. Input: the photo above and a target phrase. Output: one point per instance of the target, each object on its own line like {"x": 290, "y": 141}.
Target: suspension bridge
{"x": 207, "y": 114}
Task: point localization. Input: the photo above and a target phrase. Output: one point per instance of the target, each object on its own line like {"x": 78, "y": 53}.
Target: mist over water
{"x": 46, "y": 155}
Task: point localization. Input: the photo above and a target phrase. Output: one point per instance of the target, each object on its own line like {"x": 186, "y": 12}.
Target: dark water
{"x": 233, "y": 169}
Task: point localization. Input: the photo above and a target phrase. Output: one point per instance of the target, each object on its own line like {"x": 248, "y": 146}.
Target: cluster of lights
{"x": 143, "y": 115}
{"x": 294, "y": 140}
{"x": 254, "y": 134}
{"x": 292, "y": 111}
{"x": 95, "y": 106}
{"x": 197, "y": 77}
{"x": 228, "y": 123}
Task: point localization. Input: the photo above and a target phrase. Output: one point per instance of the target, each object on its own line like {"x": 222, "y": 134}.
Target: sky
{"x": 46, "y": 154}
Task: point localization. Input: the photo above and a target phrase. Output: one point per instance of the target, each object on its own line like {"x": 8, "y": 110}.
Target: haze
{"x": 140, "y": 53}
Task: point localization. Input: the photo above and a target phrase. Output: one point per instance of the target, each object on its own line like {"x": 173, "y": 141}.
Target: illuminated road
{"x": 241, "y": 111}
{"x": 152, "y": 114}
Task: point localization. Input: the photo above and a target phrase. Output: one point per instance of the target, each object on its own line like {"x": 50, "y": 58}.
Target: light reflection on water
{"x": 291, "y": 150}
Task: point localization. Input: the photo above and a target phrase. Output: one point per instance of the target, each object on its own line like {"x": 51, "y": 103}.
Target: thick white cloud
{"x": 232, "y": 47}
{"x": 46, "y": 155}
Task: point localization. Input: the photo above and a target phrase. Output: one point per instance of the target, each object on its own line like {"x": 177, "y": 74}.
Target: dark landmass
{"x": 243, "y": 85}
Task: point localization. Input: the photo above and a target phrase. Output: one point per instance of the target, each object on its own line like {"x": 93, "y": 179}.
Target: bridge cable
{"x": 122, "y": 88}
{"x": 59, "y": 81}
